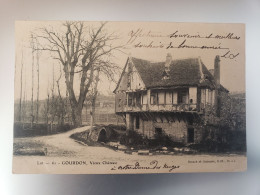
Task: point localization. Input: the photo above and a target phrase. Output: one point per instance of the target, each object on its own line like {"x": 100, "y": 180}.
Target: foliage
{"x": 37, "y": 129}
{"x": 230, "y": 113}
{"x": 134, "y": 139}
{"x": 235, "y": 141}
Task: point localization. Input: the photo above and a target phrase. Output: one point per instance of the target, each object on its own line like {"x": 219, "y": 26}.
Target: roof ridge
{"x": 179, "y": 59}
{"x": 144, "y": 60}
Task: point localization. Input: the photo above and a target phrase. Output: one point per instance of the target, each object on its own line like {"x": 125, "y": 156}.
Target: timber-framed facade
{"x": 172, "y": 97}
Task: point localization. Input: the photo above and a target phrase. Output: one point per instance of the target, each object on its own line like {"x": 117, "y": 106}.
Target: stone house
{"x": 172, "y": 97}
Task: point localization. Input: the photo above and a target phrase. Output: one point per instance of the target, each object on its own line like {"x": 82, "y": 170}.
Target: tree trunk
{"x": 93, "y": 111}
{"x": 38, "y": 87}
{"x": 21, "y": 91}
{"x": 47, "y": 113}
{"x": 94, "y": 98}
{"x": 77, "y": 115}
{"x": 61, "y": 103}
{"x": 32, "y": 113}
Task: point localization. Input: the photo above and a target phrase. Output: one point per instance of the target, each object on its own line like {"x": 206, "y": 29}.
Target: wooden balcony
{"x": 174, "y": 107}
{"x": 160, "y": 108}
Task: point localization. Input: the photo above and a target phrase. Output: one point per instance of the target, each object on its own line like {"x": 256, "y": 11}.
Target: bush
{"x": 209, "y": 146}
{"x": 164, "y": 140}
{"x": 134, "y": 139}
{"x": 28, "y": 130}
{"x": 64, "y": 127}
{"x": 117, "y": 127}
{"x": 81, "y": 136}
{"x": 235, "y": 142}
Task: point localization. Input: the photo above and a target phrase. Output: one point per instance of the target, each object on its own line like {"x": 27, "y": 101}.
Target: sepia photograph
{"x": 129, "y": 97}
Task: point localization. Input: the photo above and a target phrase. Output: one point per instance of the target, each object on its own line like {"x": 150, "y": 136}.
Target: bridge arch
{"x": 102, "y": 135}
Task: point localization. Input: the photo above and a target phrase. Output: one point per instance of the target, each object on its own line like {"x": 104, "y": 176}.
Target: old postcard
{"x": 129, "y": 97}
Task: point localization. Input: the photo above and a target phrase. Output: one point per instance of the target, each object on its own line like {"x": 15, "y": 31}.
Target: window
{"x": 130, "y": 99}
{"x": 137, "y": 122}
{"x": 161, "y": 97}
{"x": 210, "y": 97}
{"x": 182, "y": 97}
{"x": 144, "y": 97}
{"x": 153, "y": 98}
{"x": 119, "y": 102}
{"x": 125, "y": 100}
{"x": 168, "y": 98}
{"x": 203, "y": 96}
{"x": 138, "y": 99}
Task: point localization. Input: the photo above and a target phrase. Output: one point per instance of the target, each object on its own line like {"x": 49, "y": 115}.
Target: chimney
{"x": 167, "y": 66}
{"x": 217, "y": 80}
{"x": 217, "y": 71}
{"x": 168, "y": 60}
{"x": 202, "y": 77}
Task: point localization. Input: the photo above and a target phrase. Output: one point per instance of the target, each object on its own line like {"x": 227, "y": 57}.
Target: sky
{"x": 146, "y": 40}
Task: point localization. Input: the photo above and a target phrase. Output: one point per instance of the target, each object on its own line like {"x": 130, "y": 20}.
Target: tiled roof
{"x": 183, "y": 72}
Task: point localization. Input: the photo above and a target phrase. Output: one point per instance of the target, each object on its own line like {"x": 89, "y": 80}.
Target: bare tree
{"x": 24, "y": 106}
{"x": 81, "y": 50}
{"x": 38, "y": 85}
{"x": 61, "y": 103}
{"x": 33, "y": 49}
{"x": 68, "y": 109}
{"x": 21, "y": 91}
{"x": 47, "y": 110}
{"x": 53, "y": 109}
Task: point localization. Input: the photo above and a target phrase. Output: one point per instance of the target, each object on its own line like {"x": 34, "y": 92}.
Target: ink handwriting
{"x": 153, "y": 165}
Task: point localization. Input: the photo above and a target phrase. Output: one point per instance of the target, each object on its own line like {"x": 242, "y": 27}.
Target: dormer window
{"x": 165, "y": 75}
{"x": 167, "y": 67}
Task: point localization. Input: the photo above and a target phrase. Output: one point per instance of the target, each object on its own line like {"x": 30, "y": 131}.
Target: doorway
{"x": 158, "y": 132}
{"x": 190, "y": 135}
{"x": 137, "y": 122}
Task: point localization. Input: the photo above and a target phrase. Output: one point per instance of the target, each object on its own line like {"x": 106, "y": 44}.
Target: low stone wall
{"x": 36, "y": 129}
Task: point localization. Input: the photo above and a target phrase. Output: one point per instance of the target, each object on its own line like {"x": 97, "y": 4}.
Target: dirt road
{"x": 62, "y": 149}
{"x": 61, "y": 145}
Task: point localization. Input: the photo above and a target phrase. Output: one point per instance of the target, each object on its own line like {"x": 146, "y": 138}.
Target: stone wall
{"x": 176, "y": 129}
